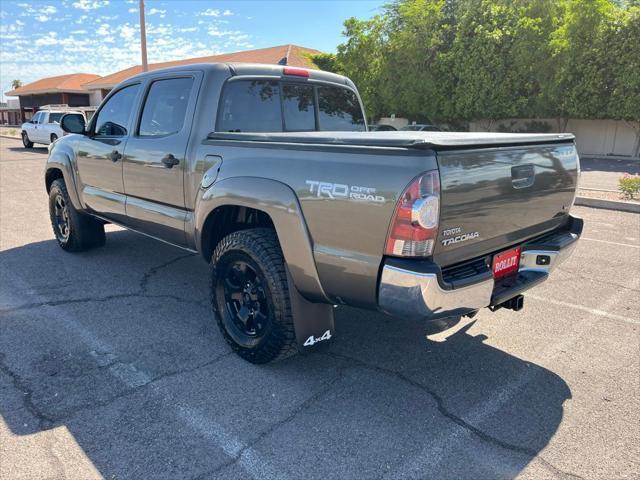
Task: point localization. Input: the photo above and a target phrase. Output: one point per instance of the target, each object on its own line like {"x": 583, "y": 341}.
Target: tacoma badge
{"x": 460, "y": 238}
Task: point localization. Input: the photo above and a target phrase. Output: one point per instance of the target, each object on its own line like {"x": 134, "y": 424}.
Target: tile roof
{"x": 294, "y": 55}
{"x": 71, "y": 83}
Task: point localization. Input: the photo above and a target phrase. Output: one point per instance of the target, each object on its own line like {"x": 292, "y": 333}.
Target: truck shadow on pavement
{"x": 34, "y": 149}
{"x": 118, "y": 346}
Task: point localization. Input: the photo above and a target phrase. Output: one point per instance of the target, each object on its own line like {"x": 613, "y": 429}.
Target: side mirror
{"x": 73, "y": 123}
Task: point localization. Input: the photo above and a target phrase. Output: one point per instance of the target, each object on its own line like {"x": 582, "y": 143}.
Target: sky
{"x": 46, "y": 38}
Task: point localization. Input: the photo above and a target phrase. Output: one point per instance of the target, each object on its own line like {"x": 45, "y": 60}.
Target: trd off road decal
{"x": 339, "y": 190}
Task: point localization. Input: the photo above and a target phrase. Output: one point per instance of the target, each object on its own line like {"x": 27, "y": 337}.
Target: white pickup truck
{"x": 44, "y": 127}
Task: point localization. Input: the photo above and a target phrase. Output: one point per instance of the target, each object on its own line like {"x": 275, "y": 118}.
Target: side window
{"x": 339, "y": 110}
{"x": 250, "y": 106}
{"x": 165, "y": 107}
{"x": 55, "y": 117}
{"x": 36, "y": 118}
{"x": 298, "y": 107}
{"x": 114, "y": 115}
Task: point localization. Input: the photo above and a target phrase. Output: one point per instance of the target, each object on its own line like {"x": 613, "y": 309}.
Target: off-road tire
{"x": 84, "y": 232}
{"x": 25, "y": 140}
{"x": 259, "y": 247}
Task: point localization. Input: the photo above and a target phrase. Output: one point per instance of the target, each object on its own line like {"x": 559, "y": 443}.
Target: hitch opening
{"x": 516, "y": 303}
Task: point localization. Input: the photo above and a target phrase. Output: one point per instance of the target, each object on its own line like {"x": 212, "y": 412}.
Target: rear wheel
{"x": 74, "y": 231}
{"x": 54, "y": 137}
{"x": 25, "y": 140}
{"x": 250, "y": 296}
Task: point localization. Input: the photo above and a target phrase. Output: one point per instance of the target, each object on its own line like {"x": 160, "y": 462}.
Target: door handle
{"x": 115, "y": 156}
{"x": 169, "y": 160}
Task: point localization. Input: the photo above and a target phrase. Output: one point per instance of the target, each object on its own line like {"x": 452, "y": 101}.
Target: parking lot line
{"x": 611, "y": 243}
{"x": 102, "y": 352}
{"x": 246, "y": 456}
{"x": 592, "y": 311}
{"x": 431, "y": 455}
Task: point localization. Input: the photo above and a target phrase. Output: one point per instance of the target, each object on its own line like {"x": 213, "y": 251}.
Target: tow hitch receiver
{"x": 516, "y": 303}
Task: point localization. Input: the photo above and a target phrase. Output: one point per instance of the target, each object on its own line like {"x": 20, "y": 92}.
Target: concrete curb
{"x": 609, "y": 157}
{"x": 608, "y": 204}
{"x": 9, "y": 136}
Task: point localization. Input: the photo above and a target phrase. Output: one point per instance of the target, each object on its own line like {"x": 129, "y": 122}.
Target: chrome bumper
{"x": 410, "y": 293}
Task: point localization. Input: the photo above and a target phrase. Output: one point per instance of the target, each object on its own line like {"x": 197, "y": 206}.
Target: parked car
{"x": 382, "y": 128}
{"x": 44, "y": 127}
{"x": 269, "y": 174}
{"x": 421, "y": 127}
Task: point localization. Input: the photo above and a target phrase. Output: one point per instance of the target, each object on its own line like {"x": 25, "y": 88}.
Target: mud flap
{"x": 313, "y": 322}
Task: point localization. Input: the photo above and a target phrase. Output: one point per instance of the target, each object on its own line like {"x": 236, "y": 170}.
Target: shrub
{"x": 629, "y": 185}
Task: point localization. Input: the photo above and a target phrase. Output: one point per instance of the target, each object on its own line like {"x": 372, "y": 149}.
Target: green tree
{"x": 361, "y": 58}
{"x": 453, "y": 60}
{"x": 413, "y": 68}
{"x": 624, "y": 38}
{"x": 581, "y": 85}
{"x": 327, "y": 62}
{"x": 16, "y": 84}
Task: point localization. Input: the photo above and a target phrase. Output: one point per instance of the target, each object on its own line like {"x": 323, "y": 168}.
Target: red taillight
{"x": 299, "y": 72}
{"x": 414, "y": 226}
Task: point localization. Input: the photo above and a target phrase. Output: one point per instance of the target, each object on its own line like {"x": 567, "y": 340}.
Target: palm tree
{"x": 16, "y": 84}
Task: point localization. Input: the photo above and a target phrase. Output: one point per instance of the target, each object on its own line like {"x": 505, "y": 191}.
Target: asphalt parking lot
{"x": 111, "y": 367}
{"x": 603, "y": 173}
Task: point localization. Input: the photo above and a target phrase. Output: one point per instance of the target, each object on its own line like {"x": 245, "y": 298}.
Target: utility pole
{"x": 143, "y": 38}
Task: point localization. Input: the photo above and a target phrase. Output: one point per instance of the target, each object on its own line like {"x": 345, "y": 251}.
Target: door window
{"x": 165, "y": 107}
{"x": 298, "y": 107}
{"x": 113, "y": 117}
{"x": 250, "y": 106}
{"x": 339, "y": 110}
{"x": 36, "y": 118}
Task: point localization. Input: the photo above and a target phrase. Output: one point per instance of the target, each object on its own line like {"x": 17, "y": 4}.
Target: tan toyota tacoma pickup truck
{"x": 270, "y": 174}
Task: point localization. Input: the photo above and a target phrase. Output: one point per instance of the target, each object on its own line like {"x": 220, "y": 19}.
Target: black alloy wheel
{"x": 250, "y": 296}
{"x": 245, "y": 298}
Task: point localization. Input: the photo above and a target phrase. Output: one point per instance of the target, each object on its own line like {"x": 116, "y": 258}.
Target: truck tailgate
{"x": 492, "y": 198}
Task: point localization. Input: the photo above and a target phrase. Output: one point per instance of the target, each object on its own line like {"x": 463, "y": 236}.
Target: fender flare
{"x": 60, "y": 159}
{"x": 280, "y": 202}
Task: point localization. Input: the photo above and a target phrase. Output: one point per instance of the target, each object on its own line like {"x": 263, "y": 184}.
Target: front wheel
{"x": 250, "y": 296}
{"x": 74, "y": 231}
{"x": 25, "y": 140}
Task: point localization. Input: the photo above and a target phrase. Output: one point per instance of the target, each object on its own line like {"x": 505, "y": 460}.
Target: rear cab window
{"x": 285, "y": 106}
{"x": 298, "y": 107}
{"x": 250, "y": 106}
{"x": 55, "y": 117}
{"x": 339, "y": 110}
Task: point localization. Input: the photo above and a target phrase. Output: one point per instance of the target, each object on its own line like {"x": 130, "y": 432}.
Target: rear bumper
{"x": 420, "y": 289}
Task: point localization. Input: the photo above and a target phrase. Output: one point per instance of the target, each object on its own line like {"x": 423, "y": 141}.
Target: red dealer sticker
{"x": 506, "y": 262}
